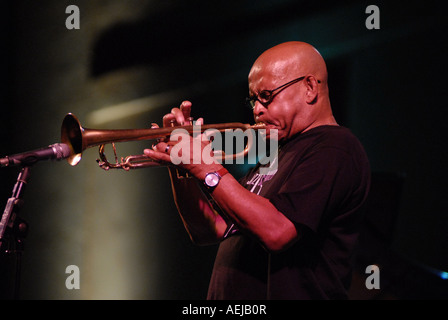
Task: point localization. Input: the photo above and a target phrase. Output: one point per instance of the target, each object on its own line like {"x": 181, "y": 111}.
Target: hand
{"x": 192, "y": 154}
{"x": 179, "y": 116}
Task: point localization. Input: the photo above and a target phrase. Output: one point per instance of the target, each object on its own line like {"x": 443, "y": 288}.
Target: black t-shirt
{"x": 320, "y": 181}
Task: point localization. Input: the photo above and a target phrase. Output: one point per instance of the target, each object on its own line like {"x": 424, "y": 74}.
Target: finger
{"x": 161, "y": 151}
{"x": 199, "y": 122}
{"x": 174, "y": 118}
{"x": 185, "y": 107}
{"x": 158, "y": 156}
{"x": 161, "y": 147}
{"x": 178, "y": 116}
{"x": 168, "y": 119}
{"x": 154, "y": 126}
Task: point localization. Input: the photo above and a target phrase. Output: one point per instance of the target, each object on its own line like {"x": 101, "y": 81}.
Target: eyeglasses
{"x": 265, "y": 97}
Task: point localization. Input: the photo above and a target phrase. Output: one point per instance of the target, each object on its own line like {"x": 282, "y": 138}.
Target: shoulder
{"x": 329, "y": 145}
{"x": 326, "y": 137}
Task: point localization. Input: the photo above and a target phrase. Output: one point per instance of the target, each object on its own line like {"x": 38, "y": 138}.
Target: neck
{"x": 323, "y": 122}
{"x": 324, "y": 117}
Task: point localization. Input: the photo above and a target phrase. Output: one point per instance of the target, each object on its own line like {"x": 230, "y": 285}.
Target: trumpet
{"x": 79, "y": 139}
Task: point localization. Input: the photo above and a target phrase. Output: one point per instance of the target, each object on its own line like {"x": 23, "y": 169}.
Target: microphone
{"x": 57, "y": 151}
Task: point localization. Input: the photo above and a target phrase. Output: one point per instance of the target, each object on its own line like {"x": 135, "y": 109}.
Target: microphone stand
{"x": 18, "y": 227}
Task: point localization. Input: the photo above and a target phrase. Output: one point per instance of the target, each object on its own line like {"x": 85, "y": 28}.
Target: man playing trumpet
{"x": 286, "y": 233}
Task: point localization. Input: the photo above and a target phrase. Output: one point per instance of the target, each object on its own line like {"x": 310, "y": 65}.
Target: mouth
{"x": 267, "y": 125}
{"x": 263, "y": 123}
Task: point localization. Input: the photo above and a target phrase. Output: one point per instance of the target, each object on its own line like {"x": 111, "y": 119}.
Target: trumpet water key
{"x": 79, "y": 139}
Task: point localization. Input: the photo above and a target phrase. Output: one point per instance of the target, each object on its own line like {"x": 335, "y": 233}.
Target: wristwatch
{"x": 212, "y": 178}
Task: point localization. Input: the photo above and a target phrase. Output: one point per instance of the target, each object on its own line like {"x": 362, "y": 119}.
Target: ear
{"x": 312, "y": 89}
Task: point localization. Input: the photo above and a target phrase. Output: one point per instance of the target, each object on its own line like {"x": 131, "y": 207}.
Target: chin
{"x": 273, "y": 134}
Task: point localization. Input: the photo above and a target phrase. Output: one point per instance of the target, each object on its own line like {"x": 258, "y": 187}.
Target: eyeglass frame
{"x": 251, "y": 100}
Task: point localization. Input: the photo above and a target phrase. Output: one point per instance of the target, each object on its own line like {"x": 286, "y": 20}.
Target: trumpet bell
{"x": 71, "y": 135}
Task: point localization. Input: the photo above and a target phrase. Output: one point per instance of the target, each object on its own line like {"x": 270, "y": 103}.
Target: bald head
{"x": 291, "y": 60}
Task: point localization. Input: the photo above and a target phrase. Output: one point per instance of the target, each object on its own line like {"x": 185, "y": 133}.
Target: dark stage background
{"x": 131, "y": 61}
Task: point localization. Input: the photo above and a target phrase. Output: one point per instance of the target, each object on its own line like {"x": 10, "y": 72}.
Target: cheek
{"x": 282, "y": 114}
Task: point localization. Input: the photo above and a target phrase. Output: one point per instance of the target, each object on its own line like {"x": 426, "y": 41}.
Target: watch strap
{"x": 222, "y": 172}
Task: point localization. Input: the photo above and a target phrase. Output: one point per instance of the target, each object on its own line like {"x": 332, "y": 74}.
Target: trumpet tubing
{"x": 79, "y": 139}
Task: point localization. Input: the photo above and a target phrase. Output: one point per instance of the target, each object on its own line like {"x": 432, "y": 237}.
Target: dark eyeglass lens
{"x": 264, "y": 96}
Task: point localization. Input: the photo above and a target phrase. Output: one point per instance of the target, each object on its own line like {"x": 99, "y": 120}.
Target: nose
{"x": 259, "y": 109}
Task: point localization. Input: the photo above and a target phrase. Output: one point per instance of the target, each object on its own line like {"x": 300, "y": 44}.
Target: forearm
{"x": 201, "y": 220}
{"x": 255, "y": 214}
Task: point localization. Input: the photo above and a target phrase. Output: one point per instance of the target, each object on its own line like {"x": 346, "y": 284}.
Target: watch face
{"x": 211, "y": 179}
